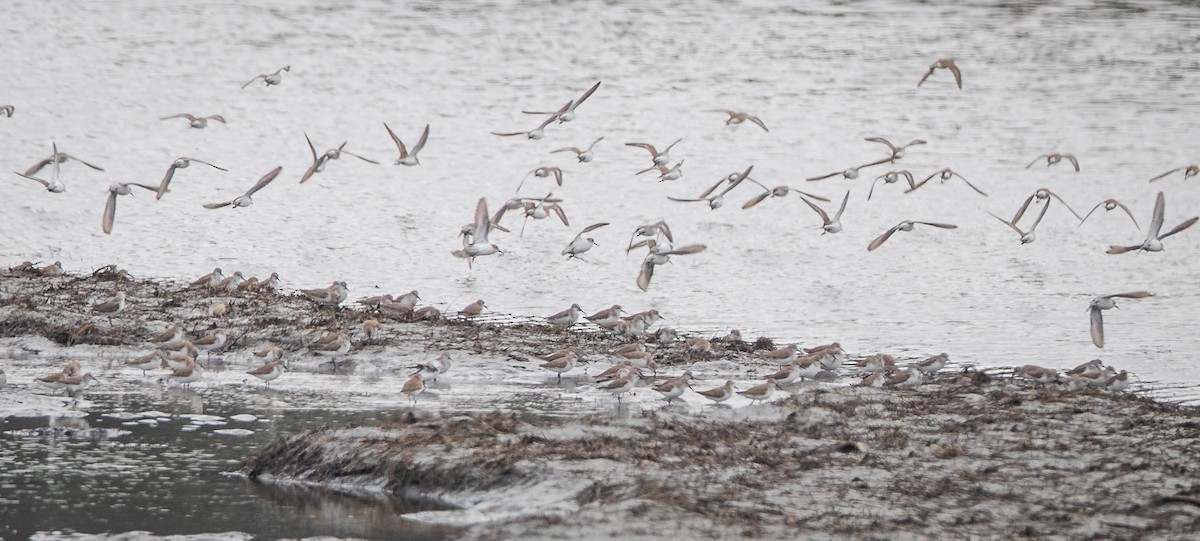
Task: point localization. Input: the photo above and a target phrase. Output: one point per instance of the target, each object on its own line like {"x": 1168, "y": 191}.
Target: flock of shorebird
{"x": 656, "y": 238}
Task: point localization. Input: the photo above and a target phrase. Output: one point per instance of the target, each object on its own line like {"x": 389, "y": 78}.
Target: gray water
{"x": 1113, "y": 83}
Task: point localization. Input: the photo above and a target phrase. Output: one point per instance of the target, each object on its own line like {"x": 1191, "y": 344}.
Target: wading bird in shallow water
{"x": 897, "y": 151}
{"x": 1189, "y": 171}
{"x": 318, "y": 163}
{"x": 110, "y": 204}
{"x": 906, "y": 225}
{"x": 659, "y": 158}
{"x": 406, "y": 157}
{"x": 580, "y": 245}
{"x": 1053, "y": 158}
{"x": 245, "y": 200}
{"x": 834, "y": 225}
{"x": 1026, "y": 236}
{"x": 536, "y": 133}
{"x": 737, "y": 117}
{"x": 945, "y": 63}
{"x": 660, "y": 255}
{"x": 478, "y": 245}
{"x": 945, "y": 174}
{"x": 56, "y": 158}
{"x": 891, "y": 177}
{"x": 179, "y": 163}
{"x": 270, "y": 78}
{"x": 1153, "y": 242}
{"x": 567, "y": 113}
{"x": 1098, "y": 304}
{"x": 583, "y": 156}
{"x": 198, "y": 122}
{"x": 1110, "y": 204}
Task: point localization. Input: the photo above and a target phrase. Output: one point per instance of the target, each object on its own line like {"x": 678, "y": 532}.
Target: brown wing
{"x": 421, "y": 142}
{"x": 404, "y": 151}
{"x": 882, "y": 238}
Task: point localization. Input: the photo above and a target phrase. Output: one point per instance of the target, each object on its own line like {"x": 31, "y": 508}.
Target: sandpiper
{"x": 1036, "y": 373}
{"x": 1094, "y": 364}
{"x": 1042, "y": 194}
{"x": 944, "y": 63}
{"x": 1153, "y": 242}
{"x": 209, "y": 280}
{"x": 778, "y": 191}
{"x": 1075, "y": 383}
{"x": 579, "y": 244}
{"x": 370, "y": 327}
{"x": 56, "y": 158}
{"x": 1026, "y": 236}
{"x": 54, "y": 185}
{"x": 212, "y": 340}
{"x": 270, "y": 78}
{"x": 582, "y": 155}
{"x": 932, "y": 364}
{"x": 1106, "y": 302}
{"x": 111, "y": 307}
{"x": 75, "y": 385}
{"x": 110, "y": 203}
{"x": 333, "y": 349}
{"x": 567, "y": 113}
{"x": 782, "y": 356}
{"x": 478, "y": 244}
{"x": 426, "y": 313}
{"x": 624, "y": 383}
{"x": 1110, "y": 204}
{"x": 188, "y": 374}
{"x": 1189, "y": 171}
{"x": 230, "y": 283}
{"x": 179, "y": 163}
{"x": 406, "y": 157}
{"x": 269, "y": 354}
{"x": 760, "y": 392}
{"x": 7, "y": 110}
{"x": 1118, "y": 382}
{"x": 608, "y": 315}
{"x": 245, "y": 200}
{"x": 431, "y": 370}
{"x": 674, "y": 172}
{"x": 199, "y": 122}
{"x": 786, "y": 374}
{"x": 875, "y": 379}
{"x": 876, "y": 362}
{"x": 699, "y": 345}
{"x": 809, "y": 366}
{"x": 738, "y": 117}
{"x": 413, "y": 387}
{"x": 374, "y": 303}
{"x": 850, "y": 173}
{"x": 268, "y": 372}
{"x": 945, "y": 174}
{"x": 909, "y": 377}
{"x": 1053, "y": 158}
{"x": 543, "y": 171}
{"x": 660, "y": 255}
{"x": 567, "y": 317}
{"x": 173, "y": 335}
{"x": 665, "y": 335}
{"x": 713, "y": 198}
{"x": 659, "y": 158}
{"x": 891, "y": 177}
{"x": 906, "y": 225}
{"x": 834, "y": 225}
{"x": 672, "y": 388}
{"x": 185, "y": 347}
{"x": 147, "y": 362}
{"x": 561, "y": 364}
{"x": 473, "y": 309}
{"x": 719, "y": 394}
{"x": 55, "y": 269}
{"x": 409, "y": 299}
{"x": 538, "y": 132}
{"x": 897, "y": 151}
{"x": 654, "y": 230}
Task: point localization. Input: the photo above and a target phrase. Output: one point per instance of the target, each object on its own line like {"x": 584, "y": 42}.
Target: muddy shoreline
{"x": 516, "y": 453}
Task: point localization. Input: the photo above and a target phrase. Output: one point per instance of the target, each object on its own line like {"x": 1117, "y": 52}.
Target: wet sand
{"x": 518, "y": 454}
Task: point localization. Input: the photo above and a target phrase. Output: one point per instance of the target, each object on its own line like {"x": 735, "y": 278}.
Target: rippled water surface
{"x": 1113, "y": 83}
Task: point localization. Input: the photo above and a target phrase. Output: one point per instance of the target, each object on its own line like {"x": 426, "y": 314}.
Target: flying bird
{"x": 406, "y": 157}
{"x": 1053, "y": 158}
{"x": 1099, "y": 304}
{"x": 1153, "y": 242}
{"x": 179, "y": 163}
{"x": 660, "y": 254}
{"x": 778, "y": 191}
{"x": 851, "y": 173}
{"x": 659, "y": 158}
{"x": 199, "y": 122}
{"x": 7, "y": 110}
{"x": 110, "y": 204}
{"x": 1026, "y": 236}
{"x": 270, "y": 78}
{"x": 1041, "y": 195}
{"x": 318, "y": 162}
{"x": 584, "y": 155}
{"x": 834, "y": 225}
{"x": 245, "y": 200}
{"x": 543, "y": 172}
{"x": 906, "y": 225}
{"x": 567, "y": 114}
{"x": 897, "y": 151}
{"x": 1188, "y": 172}
{"x": 945, "y": 63}
{"x": 538, "y": 132}
{"x": 715, "y": 200}
{"x": 664, "y": 174}
{"x": 477, "y": 244}
{"x": 579, "y": 244}
{"x": 657, "y": 229}
{"x": 737, "y": 117}
{"x": 1110, "y": 204}
{"x": 891, "y": 177}
{"x": 56, "y": 158}
{"x": 945, "y": 174}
